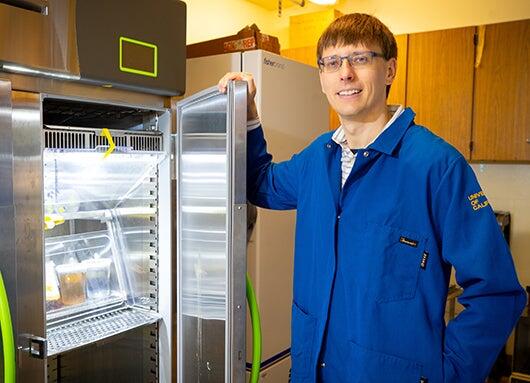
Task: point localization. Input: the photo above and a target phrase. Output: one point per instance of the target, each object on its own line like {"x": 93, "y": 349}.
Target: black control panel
{"x": 134, "y": 44}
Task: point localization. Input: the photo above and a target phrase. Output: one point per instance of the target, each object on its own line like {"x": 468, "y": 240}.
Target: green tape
{"x": 8, "y": 343}
{"x": 124, "y": 68}
{"x": 256, "y": 332}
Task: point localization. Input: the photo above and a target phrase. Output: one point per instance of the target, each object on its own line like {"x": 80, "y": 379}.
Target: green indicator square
{"x": 138, "y": 57}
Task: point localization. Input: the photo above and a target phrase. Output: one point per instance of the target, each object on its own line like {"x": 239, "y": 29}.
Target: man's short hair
{"x": 358, "y": 28}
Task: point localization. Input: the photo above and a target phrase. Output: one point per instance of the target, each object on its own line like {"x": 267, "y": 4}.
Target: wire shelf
{"x": 90, "y": 330}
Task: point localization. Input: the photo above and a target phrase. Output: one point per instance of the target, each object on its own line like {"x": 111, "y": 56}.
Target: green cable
{"x": 256, "y": 332}
{"x": 7, "y": 335}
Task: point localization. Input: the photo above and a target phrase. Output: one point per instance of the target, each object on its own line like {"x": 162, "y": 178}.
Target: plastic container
{"x": 72, "y": 283}
{"x": 97, "y": 277}
{"x": 53, "y": 295}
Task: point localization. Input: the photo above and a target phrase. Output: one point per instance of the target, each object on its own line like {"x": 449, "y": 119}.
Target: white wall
{"x": 409, "y": 16}
{"x": 211, "y": 19}
{"x": 208, "y": 19}
{"x": 507, "y": 187}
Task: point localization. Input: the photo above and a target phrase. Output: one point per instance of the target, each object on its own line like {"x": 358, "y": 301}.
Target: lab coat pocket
{"x": 369, "y": 366}
{"x": 401, "y": 259}
{"x": 302, "y": 333}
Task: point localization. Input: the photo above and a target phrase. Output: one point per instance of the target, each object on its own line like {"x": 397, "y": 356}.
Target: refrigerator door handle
{"x": 36, "y": 345}
{"x": 173, "y": 156}
{"x": 237, "y": 252}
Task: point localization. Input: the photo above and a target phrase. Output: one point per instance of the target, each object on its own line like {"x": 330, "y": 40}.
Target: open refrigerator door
{"x": 211, "y": 235}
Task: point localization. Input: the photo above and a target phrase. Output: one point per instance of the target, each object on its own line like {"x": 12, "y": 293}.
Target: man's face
{"x": 358, "y": 93}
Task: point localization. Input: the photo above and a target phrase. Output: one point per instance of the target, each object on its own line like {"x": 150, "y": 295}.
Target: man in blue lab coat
{"x": 384, "y": 209}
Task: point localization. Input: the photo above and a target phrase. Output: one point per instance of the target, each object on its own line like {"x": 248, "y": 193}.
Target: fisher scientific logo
{"x": 273, "y": 64}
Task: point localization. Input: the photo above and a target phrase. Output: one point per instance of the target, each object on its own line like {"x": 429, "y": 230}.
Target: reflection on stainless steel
{"x": 7, "y": 211}
{"x": 211, "y": 265}
{"x": 204, "y": 263}
{"x": 28, "y": 199}
{"x": 202, "y": 237}
{"x": 38, "y": 40}
{"x": 35, "y": 72}
{"x": 72, "y": 90}
{"x": 7, "y": 252}
{"x": 237, "y": 227}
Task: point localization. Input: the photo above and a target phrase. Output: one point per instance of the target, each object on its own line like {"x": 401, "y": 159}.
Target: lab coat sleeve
{"x": 270, "y": 185}
{"x": 493, "y": 299}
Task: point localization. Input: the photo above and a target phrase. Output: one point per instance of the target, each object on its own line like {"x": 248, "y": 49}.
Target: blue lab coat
{"x": 372, "y": 259}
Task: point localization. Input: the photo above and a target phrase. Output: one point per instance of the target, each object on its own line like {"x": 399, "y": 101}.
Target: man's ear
{"x": 391, "y": 71}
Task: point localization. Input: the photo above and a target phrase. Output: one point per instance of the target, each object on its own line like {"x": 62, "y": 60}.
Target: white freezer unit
{"x": 293, "y": 111}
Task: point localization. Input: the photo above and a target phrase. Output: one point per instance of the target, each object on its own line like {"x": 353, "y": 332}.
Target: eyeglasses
{"x": 331, "y": 64}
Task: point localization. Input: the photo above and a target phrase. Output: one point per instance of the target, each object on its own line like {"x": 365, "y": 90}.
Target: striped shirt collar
{"x": 340, "y": 137}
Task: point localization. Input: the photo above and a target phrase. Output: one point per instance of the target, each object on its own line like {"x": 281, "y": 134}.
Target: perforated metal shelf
{"x": 90, "y": 330}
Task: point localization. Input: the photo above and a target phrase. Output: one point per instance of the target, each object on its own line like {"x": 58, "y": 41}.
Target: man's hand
{"x": 252, "y": 112}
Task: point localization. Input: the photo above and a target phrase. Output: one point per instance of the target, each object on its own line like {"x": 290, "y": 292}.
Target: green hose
{"x": 7, "y": 335}
{"x": 256, "y": 332}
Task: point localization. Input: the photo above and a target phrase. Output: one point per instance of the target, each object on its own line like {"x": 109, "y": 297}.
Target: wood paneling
{"x": 399, "y": 86}
{"x": 440, "y": 83}
{"x": 306, "y": 55}
{"x": 305, "y": 29}
{"x": 501, "y": 127}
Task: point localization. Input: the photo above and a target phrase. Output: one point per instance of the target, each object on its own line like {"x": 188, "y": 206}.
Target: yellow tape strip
{"x": 105, "y": 132}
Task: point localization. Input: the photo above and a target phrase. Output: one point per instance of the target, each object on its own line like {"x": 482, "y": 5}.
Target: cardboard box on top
{"x": 248, "y": 38}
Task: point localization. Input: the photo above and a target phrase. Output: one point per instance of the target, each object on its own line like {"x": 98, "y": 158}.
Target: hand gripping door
{"x": 211, "y": 235}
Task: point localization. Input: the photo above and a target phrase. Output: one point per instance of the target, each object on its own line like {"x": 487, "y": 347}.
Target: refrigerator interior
{"x": 101, "y": 239}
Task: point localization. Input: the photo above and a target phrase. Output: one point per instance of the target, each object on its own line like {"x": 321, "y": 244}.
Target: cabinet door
{"x": 501, "y": 111}
{"x": 306, "y": 55}
{"x": 399, "y": 86}
{"x": 440, "y": 83}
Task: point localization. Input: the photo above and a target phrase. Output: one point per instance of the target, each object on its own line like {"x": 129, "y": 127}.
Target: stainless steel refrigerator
{"x": 122, "y": 214}
{"x": 93, "y": 277}
{"x": 293, "y": 111}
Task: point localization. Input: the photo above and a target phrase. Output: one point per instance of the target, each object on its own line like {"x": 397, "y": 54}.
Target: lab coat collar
{"x": 390, "y": 137}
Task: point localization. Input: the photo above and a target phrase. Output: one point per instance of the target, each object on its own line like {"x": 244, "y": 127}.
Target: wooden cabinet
{"x": 440, "y": 83}
{"x": 399, "y": 86}
{"x": 306, "y": 55}
{"x": 471, "y": 87}
{"x": 501, "y": 109}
